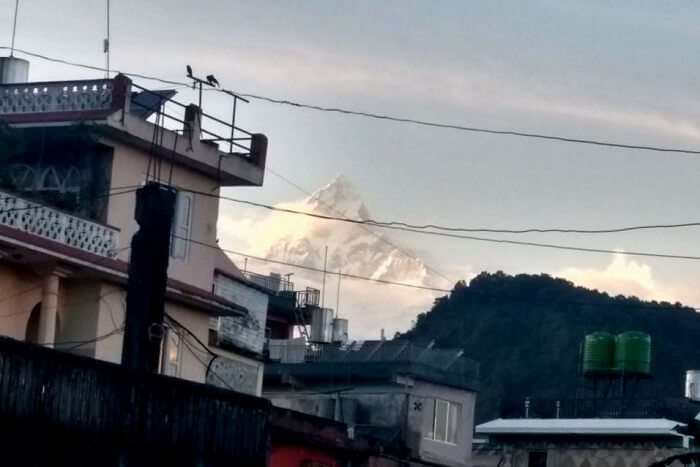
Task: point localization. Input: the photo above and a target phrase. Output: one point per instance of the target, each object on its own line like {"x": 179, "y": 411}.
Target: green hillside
{"x": 526, "y": 330}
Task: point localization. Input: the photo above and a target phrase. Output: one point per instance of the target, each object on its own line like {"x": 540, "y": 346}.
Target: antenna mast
{"x": 14, "y": 29}
{"x": 106, "y": 43}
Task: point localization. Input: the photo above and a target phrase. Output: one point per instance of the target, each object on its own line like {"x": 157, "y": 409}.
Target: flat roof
{"x": 581, "y": 426}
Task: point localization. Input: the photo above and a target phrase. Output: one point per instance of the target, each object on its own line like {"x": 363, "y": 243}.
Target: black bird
{"x": 189, "y": 71}
{"x": 211, "y": 80}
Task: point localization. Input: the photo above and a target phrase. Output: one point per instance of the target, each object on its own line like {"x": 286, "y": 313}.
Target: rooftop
{"x": 582, "y": 426}
{"x": 138, "y": 116}
{"x": 381, "y": 360}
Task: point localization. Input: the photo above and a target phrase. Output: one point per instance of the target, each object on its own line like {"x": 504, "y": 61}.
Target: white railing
{"x": 60, "y": 96}
{"x": 52, "y": 224}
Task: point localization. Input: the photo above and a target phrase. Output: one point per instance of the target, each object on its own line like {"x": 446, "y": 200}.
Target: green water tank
{"x": 598, "y": 353}
{"x": 633, "y": 353}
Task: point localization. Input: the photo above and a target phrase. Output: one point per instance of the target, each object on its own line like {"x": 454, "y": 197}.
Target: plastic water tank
{"x": 692, "y": 385}
{"x": 13, "y": 70}
{"x": 633, "y": 353}
{"x": 598, "y": 353}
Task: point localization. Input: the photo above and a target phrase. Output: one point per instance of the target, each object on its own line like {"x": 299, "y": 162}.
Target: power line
{"x": 427, "y": 227}
{"x": 378, "y": 236}
{"x": 434, "y": 289}
{"x": 311, "y": 268}
{"x": 386, "y": 117}
{"x": 482, "y": 239}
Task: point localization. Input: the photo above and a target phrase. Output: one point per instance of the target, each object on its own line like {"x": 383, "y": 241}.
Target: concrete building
{"x": 416, "y": 397}
{"x": 585, "y": 442}
{"x": 71, "y": 155}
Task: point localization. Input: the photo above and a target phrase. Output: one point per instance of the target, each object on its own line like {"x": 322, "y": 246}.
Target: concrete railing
{"x": 56, "y": 96}
{"x": 53, "y": 224}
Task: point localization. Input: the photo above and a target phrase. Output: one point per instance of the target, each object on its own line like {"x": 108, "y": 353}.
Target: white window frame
{"x": 166, "y": 345}
{"x": 432, "y": 435}
{"x": 182, "y": 226}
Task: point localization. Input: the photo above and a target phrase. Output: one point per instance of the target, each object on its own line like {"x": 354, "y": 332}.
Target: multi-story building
{"x": 72, "y": 154}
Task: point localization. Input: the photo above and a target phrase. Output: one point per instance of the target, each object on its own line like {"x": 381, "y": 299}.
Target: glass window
{"x": 171, "y": 353}
{"x": 182, "y": 226}
{"x": 441, "y": 411}
{"x": 452, "y": 423}
{"x": 441, "y": 422}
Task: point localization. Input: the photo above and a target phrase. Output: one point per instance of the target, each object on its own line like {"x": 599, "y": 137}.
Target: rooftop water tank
{"x": 633, "y": 353}
{"x": 340, "y": 331}
{"x": 321, "y": 325}
{"x": 692, "y": 385}
{"x": 13, "y": 70}
{"x": 598, "y": 353}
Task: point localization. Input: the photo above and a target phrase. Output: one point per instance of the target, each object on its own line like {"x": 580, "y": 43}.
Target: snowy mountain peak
{"x": 339, "y": 198}
{"x": 354, "y": 249}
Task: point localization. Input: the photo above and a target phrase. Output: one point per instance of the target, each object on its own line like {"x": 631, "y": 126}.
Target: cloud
{"x": 472, "y": 88}
{"x": 370, "y": 306}
{"x": 629, "y": 277}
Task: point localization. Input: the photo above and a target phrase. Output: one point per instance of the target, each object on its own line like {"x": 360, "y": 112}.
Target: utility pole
{"x": 148, "y": 277}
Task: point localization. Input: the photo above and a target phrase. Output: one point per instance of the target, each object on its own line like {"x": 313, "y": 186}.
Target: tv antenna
{"x": 105, "y": 44}
{"x": 14, "y": 29}
{"x": 209, "y": 80}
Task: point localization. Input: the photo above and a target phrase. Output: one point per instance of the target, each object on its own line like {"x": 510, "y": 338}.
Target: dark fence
{"x": 60, "y": 409}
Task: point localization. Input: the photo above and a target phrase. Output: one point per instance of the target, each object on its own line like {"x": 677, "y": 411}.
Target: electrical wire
{"x": 485, "y": 239}
{"x": 310, "y": 268}
{"x": 429, "y": 227}
{"x": 372, "y": 232}
{"x": 386, "y": 117}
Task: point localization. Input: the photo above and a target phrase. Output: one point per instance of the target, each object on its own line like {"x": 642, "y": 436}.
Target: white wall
{"x": 246, "y": 332}
{"x": 20, "y": 291}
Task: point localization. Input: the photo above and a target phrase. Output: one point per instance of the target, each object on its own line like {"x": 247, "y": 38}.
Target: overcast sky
{"x": 622, "y": 71}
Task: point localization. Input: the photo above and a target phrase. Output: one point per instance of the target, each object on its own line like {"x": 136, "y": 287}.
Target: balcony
{"x": 123, "y": 110}
{"x": 52, "y": 224}
{"x": 57, "y": 96}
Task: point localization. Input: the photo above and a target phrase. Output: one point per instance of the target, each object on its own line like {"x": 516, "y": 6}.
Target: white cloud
{"x": 629, "y": 277}
{"x": 471, "y": 88}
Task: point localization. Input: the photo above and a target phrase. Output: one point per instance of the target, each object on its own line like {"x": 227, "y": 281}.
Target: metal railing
{"x": 270, "y": 282}
{"x": 53, "y": 224}
{"x": 227, "y": 136}
{"x": 646, "y": 407}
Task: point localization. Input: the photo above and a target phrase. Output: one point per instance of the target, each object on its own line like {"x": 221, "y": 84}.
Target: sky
{"x": 620, "y": 71}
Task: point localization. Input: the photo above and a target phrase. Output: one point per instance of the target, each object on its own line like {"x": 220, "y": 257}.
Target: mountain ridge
{"x": 525, "y": 331}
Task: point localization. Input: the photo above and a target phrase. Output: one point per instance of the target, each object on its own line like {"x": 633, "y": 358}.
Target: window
{"x": 182, "y": 226}
{"x": 441, "y": 422}
{"x": 537, "y": 459}
{"x": 171, "y": 353}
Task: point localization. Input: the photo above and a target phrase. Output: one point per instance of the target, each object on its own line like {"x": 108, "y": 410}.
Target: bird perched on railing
{"x": 189, "y": 71}
{"x": 211, "y": 80}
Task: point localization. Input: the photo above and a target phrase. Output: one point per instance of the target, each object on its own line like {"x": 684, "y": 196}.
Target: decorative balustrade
{"x": 58, "y": 96}
{"x": 46, "y": 222}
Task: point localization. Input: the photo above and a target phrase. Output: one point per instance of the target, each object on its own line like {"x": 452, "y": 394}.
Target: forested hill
{"x": 525, "y": 331}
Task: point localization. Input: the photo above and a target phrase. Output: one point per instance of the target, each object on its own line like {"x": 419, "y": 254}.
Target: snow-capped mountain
{"x": 354, "y": 249}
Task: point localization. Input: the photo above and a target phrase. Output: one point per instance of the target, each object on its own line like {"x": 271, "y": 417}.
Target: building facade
{"x": 596, "y": 442}
{"x": 72, "y": 155}
{"x": 416, "y": 397}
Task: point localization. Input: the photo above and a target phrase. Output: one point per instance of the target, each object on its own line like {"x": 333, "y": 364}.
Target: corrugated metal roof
{"x": 582, "y": 426}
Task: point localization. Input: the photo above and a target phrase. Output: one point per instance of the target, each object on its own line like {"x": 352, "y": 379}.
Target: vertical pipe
{"x": 527, "y": 407}
{"x": 14, "y": 29}
{"x": 49, "y": 308}
{"x": 323, "y": 289}
{"x": 337, "y": 295}
{"x": 233, "y": 125}
{"x": 107, "y": 40}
